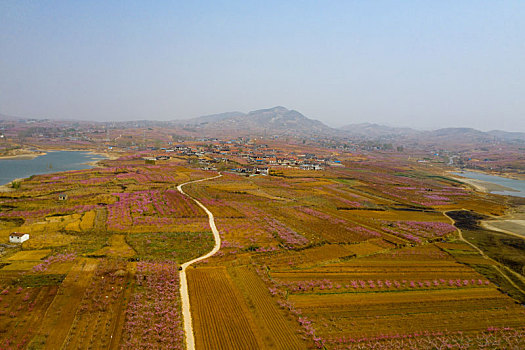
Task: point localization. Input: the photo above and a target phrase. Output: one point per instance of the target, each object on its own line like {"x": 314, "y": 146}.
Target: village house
{"x": 62, "y": 197}
{"x": 262, "y": 171}
{"x": 17, "y": 237}
{"x": 311, "y": 167}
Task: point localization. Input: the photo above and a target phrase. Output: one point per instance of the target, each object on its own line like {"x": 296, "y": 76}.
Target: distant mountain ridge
{"x": 376, "y": 130}
{"x": 276, "y": 121}
{"x": 213, "y": 118}
{"x": 282, "y": 121}
{"x": 368, "y": 130}
{"x": 507, "y": 135}
{"x": 477, "y": 135}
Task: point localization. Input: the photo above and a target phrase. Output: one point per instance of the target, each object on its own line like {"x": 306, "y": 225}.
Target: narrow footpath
{"x": 186, "y": 312}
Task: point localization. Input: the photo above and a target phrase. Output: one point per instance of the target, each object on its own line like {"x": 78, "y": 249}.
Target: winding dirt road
{"x": 496, "y": 265}
{"x": 186, "y": 312}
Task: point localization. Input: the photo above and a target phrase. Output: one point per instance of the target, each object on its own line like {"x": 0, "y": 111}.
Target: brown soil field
{"x": 49, "y": 240}
{"x": 21, "y": 314}
{"x": 372, "y": 314}
{"x": 276, "y": 329}
{"x": 59, "y": 316}
{"x": 221, "y": 319}
{"x": 102, "y": 309}
{"x": 30, "y": 255}
{"x": 20, "y": 266}
{"x": 117, "y": 247}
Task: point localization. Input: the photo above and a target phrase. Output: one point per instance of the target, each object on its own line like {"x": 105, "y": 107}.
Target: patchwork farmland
{"x": 359, "y": 256}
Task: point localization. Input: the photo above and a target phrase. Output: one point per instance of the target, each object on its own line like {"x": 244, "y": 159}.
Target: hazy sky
{"x": 424, "y": 64}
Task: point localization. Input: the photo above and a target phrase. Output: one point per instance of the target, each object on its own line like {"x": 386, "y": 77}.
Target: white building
{"x": 17, "y": 237}
{"x": 262, "y": 171}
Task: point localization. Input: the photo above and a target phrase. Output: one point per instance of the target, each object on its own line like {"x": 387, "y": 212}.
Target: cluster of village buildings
{"x": 245, "y": 157}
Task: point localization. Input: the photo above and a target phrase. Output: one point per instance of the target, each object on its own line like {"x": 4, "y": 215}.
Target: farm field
{"x": 99, "y": 260}
{"x": 277, "y": 330}
{"x": 365, "y": 255}
{"x": 161, "y": 188}
{"x": 365, "y": 265}
{"x": 221, "y": 318}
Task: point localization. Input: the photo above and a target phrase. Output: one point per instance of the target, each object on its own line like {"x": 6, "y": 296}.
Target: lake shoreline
{"x": 512, "y": 176}
{"x": 489, "y": 183}
{"x": 482, "y": 186}
{"x": 88, "y": 163}
{"x": 513, "y": 221}
{"x": 8, "y": 186}
{"x": 31, "y": 155}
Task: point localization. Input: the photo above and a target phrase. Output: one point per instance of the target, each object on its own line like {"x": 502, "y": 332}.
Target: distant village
{"x": 254, "y": 154}
{"x": 246, "y": 156}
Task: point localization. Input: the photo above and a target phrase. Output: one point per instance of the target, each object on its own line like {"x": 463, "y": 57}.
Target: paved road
{"x": 186, "y": 312}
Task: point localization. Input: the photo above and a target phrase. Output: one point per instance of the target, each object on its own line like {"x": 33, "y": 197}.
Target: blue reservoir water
{"x": 51, "y": 162}
{"x": 517, "y": 185}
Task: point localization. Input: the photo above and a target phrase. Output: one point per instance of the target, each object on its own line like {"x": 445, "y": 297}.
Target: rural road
{"x": 186, "y": 312}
